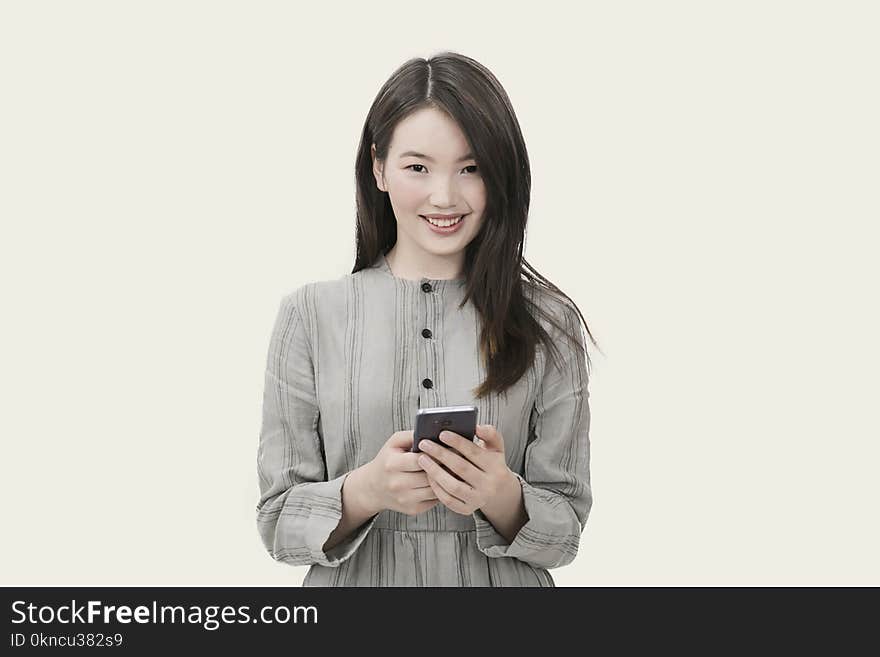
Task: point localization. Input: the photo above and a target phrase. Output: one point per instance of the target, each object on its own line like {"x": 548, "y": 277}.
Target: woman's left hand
{"x": 482, "y": 469}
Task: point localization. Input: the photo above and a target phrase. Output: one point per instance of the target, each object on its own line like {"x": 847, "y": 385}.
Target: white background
{"x": 705, "y": 188}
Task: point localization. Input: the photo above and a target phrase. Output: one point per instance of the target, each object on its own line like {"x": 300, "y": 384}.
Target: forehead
{"x": 430, "y": 132}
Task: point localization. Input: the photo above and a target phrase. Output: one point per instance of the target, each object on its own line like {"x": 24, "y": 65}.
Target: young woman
{"x": 440, "y": 310}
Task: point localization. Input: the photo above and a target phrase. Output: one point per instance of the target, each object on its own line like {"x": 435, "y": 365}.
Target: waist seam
{"x": 426, "y": 531}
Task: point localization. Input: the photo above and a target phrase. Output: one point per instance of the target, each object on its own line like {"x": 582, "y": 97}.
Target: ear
{"x": 378, "y": 170}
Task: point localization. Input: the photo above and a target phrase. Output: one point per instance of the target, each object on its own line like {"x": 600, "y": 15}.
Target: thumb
{"x": 490, "y": 436}
{"x": 401, "y": 440}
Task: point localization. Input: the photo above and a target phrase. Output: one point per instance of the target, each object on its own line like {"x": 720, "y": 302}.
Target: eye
{"x": 472, "y": 166}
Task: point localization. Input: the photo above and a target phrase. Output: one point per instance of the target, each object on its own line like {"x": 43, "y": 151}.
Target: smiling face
{"x": 430, "y": 170}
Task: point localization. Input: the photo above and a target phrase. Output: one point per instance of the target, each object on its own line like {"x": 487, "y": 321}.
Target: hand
{"x": 395, "y": 479}
{"x": 481, "y": 470}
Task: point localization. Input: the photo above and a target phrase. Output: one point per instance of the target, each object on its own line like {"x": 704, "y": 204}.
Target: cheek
{"x": 476, "y": 196}
{"x": 475, "y": 221}
{"x": 407, "y": 193}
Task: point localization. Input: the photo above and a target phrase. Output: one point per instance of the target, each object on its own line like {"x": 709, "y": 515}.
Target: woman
{"x": 436, "y": 312}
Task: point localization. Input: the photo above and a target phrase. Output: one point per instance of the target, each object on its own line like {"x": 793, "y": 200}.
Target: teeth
{"x": 444, "y": 223}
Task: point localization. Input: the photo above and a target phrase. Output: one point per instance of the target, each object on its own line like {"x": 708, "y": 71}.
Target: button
{"x": 426, "y": 287}
{"x": 426, "y": 333}
{"x": 428, "y": 383}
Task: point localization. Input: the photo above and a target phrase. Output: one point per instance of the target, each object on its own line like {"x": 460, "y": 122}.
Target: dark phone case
{"x": 430, "y": 422}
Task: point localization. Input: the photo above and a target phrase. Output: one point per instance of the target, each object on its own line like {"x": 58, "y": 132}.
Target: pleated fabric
{"x": 349, "y": 364}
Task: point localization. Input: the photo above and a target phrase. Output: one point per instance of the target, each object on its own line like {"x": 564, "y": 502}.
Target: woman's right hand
{"x": 395, "y": 479}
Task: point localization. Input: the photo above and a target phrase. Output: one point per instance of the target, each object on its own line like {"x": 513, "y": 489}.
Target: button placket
{"x": 428, "y": 313}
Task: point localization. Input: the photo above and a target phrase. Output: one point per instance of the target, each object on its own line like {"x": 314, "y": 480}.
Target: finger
{"x": 400, "y": 440}
{"x": 405, "y": 461}
{"x": 414, "y": 479}
{"x": 461, "y": 490}
{"x": 491, "y": 437}
{"x": 425, "y": 494}
{"x": 456, "y": 462}
{"x": 472, "y": 452}
{"x": 447, "y": 498}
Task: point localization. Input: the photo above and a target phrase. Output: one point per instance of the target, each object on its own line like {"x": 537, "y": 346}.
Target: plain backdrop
{"x": 705, "y": 187}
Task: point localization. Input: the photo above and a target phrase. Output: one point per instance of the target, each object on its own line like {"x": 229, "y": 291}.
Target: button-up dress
{"x": 350, "y": 362}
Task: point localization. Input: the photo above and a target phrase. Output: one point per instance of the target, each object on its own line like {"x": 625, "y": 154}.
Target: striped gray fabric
{"x": 349, "y": 365}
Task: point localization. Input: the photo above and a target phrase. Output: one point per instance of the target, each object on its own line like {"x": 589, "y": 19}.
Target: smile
{"x": 443, "y": 223}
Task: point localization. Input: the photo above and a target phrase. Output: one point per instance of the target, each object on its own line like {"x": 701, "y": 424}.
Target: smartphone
{"x": 431, "y": 421}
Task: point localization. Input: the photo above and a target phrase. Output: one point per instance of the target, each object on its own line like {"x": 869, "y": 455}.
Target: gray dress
{"x": 350, "y": 362}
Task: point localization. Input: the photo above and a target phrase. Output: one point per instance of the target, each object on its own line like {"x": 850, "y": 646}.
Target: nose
{"x": 443, "y": 194}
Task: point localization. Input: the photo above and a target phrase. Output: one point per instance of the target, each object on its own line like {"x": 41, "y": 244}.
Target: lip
{"x": 442, "y": 216}
{"x": 444, "y": 231}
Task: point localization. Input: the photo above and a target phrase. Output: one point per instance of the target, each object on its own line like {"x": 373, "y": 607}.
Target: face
{"x": 444, "y": 179}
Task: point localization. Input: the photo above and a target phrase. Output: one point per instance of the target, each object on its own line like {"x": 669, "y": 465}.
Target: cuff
{"x": 325, "y": 518}
{"x": 489, "y": 541}
{"x": 539, "y": 541}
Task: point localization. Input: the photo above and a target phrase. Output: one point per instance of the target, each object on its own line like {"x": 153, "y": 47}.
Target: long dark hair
{"x": 494, "y": 268}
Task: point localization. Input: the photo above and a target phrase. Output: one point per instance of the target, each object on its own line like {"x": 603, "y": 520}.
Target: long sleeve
{"x": 298, "y": 507}
{"x": 556, "y": 486}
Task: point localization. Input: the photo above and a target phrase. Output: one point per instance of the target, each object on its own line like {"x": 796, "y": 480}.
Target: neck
{"x": 433, "y": 267}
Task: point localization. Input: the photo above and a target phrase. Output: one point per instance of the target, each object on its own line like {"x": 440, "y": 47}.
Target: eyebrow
{"x": 469, "y": 156}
